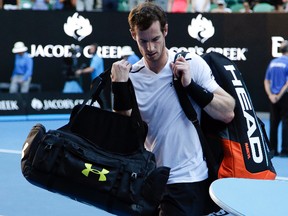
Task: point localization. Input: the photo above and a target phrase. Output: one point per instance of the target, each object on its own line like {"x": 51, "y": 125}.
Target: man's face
{"x": 151, "y": 42}
{"x": 92, "y": 50}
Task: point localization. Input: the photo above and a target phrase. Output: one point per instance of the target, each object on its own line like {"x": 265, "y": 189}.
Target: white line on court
{"x": 281, "y": 178}
{"x": 10, "y": 152}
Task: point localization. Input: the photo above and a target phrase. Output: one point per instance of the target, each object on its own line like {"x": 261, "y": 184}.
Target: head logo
{"x": 89, "y": 169}
{"x": 77, "y": 27}
{"x": 36, "y": 104}
{"x": 201, "y": 28}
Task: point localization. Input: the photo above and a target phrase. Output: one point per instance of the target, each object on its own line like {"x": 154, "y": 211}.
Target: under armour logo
{"x": 101, "y": 173}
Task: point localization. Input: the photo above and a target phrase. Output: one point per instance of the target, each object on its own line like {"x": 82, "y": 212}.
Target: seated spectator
{"x": 63, "y": 4}
{"x": 221, "y": 7}
{"x": 110, "y": 5}
{"x": 201, "y": 6}
{"x": 178, "y": 6}
{"x": 279, "y": 5}
{"x": 163, "y": 4}
{"x": 84, "y": 5}
{"x": 10, "y": 4}
{"x": 246, "y": 8}
{"x": 57, "y": 5}
{"x": 134, "y": 3}
{"x": 69, "y": 4}
{"x": 40, "y": 4}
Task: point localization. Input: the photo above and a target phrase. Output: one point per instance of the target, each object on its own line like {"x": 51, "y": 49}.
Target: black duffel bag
{"x": 85, "y": 167}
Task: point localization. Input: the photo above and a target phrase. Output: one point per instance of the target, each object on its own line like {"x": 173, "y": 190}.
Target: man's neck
{"x": 157, "y": 66}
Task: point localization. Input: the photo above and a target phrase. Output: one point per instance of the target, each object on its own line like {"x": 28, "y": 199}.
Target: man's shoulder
{"x": 138, "y": 66}
{"x": 188, "y": 55}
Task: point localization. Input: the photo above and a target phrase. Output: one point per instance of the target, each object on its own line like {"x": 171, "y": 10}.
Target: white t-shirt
{"x": 171, "y": 136}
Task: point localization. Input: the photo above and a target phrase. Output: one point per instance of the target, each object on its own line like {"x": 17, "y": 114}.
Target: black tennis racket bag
{"x": 98, "y": 158}
{"x": 243, "y": 146}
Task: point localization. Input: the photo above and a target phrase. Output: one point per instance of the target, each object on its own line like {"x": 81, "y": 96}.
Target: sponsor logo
{"x": 54, "y": 104}
{"x": 233, "y": 53}
{"x": 88, "y": 170}
{"x": 201, "y": 28}
{"x": 9, "y": 105}
{"x": 276, "y": 43}
{"x": 77, "y": 27}
{"x": 60, "y": 51}
{"x": 246, "y": 106}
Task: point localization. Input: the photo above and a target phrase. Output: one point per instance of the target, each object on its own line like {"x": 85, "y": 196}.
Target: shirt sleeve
{"x": 201, "y": 73}
{"x": 29, "y": 68}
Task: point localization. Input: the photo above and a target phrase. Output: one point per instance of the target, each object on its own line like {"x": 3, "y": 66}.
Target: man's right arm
{"x": 120, "y": 88}
{"x": 272, "y": 97}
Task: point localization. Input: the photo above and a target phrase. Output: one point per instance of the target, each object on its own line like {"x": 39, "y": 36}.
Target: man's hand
{"x": 120, "y": 71}
{"x": 78, "y": 72}
{"x": 273, "y": 98}
{"x": 181, "y": 70}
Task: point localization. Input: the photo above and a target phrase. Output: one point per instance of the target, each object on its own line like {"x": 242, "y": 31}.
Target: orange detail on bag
{"x": 233, "y": 164}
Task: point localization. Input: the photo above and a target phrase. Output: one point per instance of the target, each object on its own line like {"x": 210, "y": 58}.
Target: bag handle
{"x": 97, "y": 85}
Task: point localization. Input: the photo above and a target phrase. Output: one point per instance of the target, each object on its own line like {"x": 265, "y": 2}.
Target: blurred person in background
{"x": 10, "y": 4}
{"x": 23, "y": 69}
{"x": 129, "y": 55}
{"x": 40, "y": 5}
{"x": 134, "y": 3}
{"x": 73, "y": 82}
{"x": 161, "y": 3}
{"x": 84, "y": 5}
{"x": 276, "y": 87}
{"x": 200, "y": 6}
{"x": 278, "y": 4}
{"x": 246, "y": 8}
{"x": 221, "y": 7}
{"x": 178, "y": 6}
{"x": 95, "y": 68}
{"x": 110, "y": 5}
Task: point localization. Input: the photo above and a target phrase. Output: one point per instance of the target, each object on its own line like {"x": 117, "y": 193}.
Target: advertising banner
{"x": 251, "y": 40}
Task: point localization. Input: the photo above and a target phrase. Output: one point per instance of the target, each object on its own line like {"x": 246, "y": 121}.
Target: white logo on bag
{"x": 77, "y": 27}
{"x": 201, "y": 28}
{"x": 24, "y": 148}
{"x": 254, "y": 142}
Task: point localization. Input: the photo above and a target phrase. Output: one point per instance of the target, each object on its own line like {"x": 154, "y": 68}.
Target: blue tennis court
{"x": 20, "y": 198}
{"x": 17, "y": 196}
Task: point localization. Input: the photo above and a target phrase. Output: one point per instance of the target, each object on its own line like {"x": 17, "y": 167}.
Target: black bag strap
{"x": 192, "y": 116}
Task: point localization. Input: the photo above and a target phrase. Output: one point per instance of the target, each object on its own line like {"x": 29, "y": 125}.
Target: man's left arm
{"x": 221, "y": 106}
{"x": 218, "y": 104}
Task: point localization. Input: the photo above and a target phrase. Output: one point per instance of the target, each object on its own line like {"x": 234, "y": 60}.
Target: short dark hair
{"x": 284, "y": 47}
{"x": 143, "y": 15}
